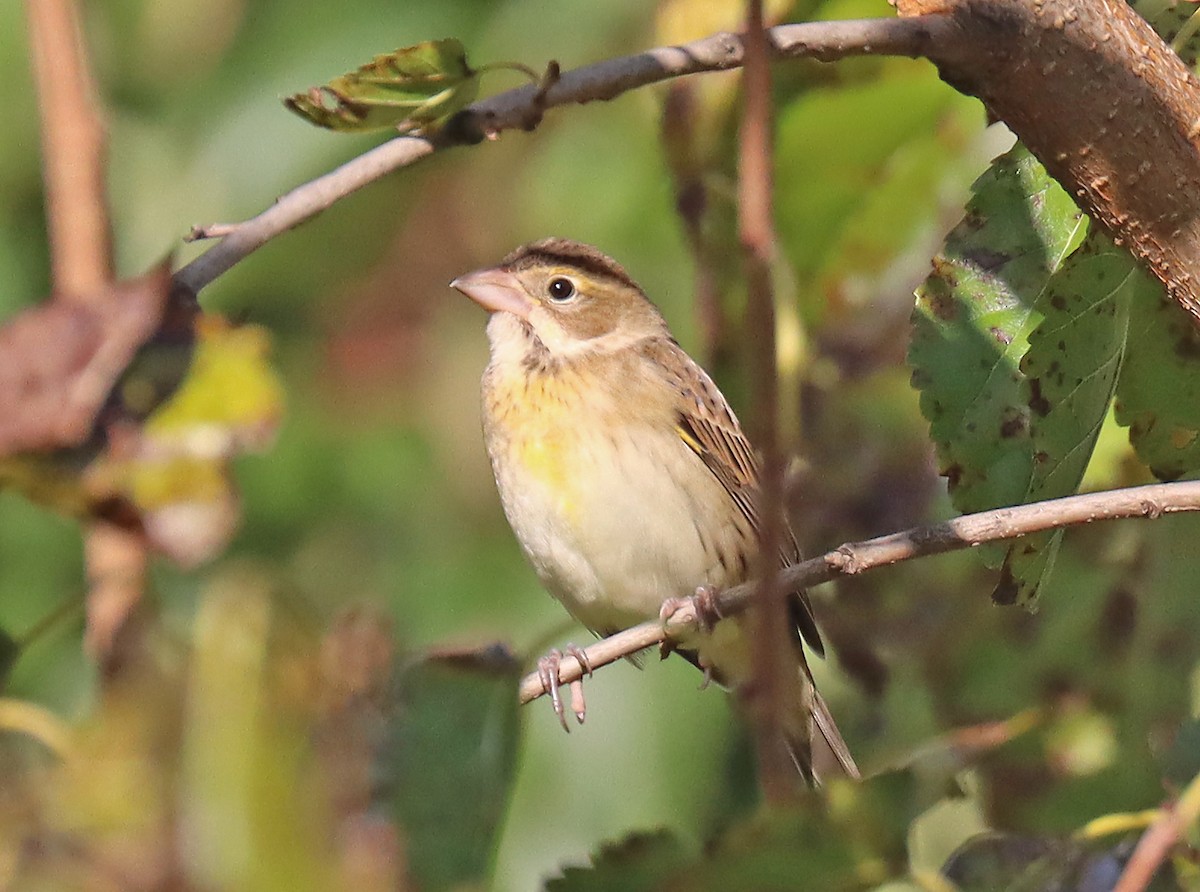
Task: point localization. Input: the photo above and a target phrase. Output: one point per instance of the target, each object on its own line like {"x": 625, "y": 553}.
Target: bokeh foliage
{"x": 311, "y": 710}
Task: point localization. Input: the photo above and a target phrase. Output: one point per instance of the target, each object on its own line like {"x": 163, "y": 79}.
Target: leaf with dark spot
{"x": 406, "y": 89}
{"x": 971, "y": 326}
{"x": 1070, "y": 390}
{"x": 1158, "y": 394}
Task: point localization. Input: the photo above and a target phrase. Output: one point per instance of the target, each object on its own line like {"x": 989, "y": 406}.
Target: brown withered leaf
{"x": 60, "y": 360}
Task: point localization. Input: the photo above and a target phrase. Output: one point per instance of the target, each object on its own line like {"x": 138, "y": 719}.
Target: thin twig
{"x": 1149, "y": 502}
{"x": 522, "y": 108}
{"x": 773, "y": 688}
{"x": 73, "y": 150}
{"x": 1154, "y": 846}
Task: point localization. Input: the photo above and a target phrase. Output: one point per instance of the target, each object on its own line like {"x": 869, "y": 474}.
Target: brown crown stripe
{"x": 568, "y": 253}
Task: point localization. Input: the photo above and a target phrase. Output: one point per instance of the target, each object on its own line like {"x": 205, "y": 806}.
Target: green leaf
{"x": 972, "y": 322}
{"x": 451, "y": 758}
{"x": 941, "y": 829}
{"x": 992, "y": 861}
{"x": 406, "y": 89}
{"x": 1071, "y": 370}
{"x": 640, "y": 861}
{"x": 1011, "y": 862}
{"x": 1181, "y": 762}
{"x": 1158, "y": 396}
{"x": 838, "y": 840}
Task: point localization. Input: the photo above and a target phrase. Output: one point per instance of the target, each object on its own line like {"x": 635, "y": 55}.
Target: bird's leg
{"x": 548, "y": 674}
{"x": 708, "y": 613}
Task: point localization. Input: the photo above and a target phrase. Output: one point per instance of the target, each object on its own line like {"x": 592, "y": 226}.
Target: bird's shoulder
{"x": 703, "y": 417}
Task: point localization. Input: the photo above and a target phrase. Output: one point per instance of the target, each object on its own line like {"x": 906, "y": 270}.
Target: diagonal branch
{"x": 1158, "y": 840}
{"x": 523, "y": 107}
{"x": 1087, "y": 85}
{"x": 968, "y": 531}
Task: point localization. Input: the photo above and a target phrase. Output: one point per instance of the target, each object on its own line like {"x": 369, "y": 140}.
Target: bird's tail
{"x": 817, "y": 746}
{"x": 830, "y": 755}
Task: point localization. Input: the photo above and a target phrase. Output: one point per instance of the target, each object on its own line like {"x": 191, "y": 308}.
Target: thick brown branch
{"x": 1148, "y": 502}
{"x": 1104, "y": 103}
{"x": 522, "y": 108}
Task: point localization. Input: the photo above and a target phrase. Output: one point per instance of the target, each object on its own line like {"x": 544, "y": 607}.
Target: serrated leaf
{"x": 1158, "y": 396}
{"x": 450, "y": 761}
{"x": 640, "y": 861}
{"x": 406, "y": 89}
{"x": 1071, "y": 370}
{"x": 972, "y": 322}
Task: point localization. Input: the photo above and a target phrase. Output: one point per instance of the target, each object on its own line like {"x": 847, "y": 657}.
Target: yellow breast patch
{"x": 539, "y": 417}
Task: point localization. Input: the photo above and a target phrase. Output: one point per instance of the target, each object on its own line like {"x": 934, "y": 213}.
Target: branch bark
{"x": 775, "y": 687}
{"x": 1110, "y": 110}
{"x": 1156, "y": 843}
{"x": 1148, "y": 502}
{"x": 1087, "y": 85}
{"x": 73, "y": 152}
{"x": 523, "y": 107}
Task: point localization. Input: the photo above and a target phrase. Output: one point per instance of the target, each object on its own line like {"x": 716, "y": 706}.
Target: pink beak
{"x": 496, "y": 290}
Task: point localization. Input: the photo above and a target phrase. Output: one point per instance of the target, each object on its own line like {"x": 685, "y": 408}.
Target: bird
{"x": 625, "y": 474}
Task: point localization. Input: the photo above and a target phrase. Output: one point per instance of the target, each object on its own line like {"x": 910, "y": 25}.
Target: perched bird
{"x": 622, "y": 470}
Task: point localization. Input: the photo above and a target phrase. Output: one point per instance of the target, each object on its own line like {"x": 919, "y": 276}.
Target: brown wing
{"x": 711, "y": 430}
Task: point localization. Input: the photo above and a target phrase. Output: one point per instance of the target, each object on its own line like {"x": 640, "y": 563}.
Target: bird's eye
{"x": 561, "y": 288}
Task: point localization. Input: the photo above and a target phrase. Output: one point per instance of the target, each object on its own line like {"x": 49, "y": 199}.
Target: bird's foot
{"x": 708, "y": 613}
{"x": 548, "y": 671}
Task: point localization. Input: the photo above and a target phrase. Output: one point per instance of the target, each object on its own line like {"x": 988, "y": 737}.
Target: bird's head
{"x": 564, "y": 297}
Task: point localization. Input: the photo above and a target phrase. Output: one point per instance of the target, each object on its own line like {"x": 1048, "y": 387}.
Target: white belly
{"x": 613, "y": 531}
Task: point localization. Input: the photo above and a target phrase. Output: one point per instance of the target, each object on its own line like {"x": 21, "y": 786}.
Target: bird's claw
{"x": 548, "y": 673}
{"x": 703, "y": 604}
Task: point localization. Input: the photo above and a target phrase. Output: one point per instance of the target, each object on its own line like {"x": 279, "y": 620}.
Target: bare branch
{"x": 522, "y": 108}
{"x": 73, "y": 149}
{"x": 73, "y": 152}
{"x": 1149, "y": 502}
{"x": 1066, "y": 75}
{"x": 1154, "y": 846}
{"x": 775, "y": 687}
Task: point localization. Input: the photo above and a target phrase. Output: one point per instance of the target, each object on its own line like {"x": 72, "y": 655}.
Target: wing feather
{"x": 708, "y": 426}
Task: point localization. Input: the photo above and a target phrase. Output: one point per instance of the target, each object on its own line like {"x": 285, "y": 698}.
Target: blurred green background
{"x": 378, "y": 490}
